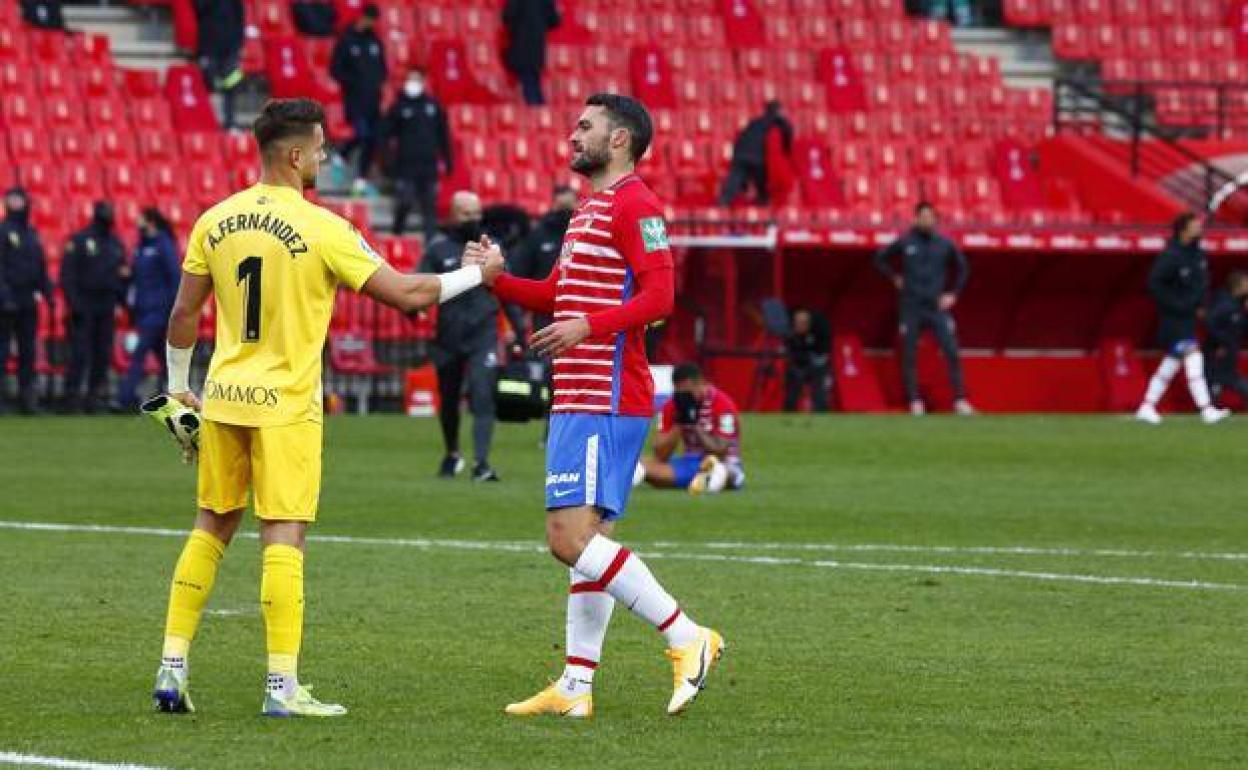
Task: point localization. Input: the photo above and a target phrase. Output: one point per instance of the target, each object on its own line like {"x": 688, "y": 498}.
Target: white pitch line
{"x": 33, "y": 760}
{"x": 516, "y": 547}
{"x": 989, "y": 550}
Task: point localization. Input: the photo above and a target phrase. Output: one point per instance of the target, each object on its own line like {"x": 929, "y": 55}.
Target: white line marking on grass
{"x": 987, "y": 550}
{"x": 229, "y": 613}
{"x": 32, "y": 760}
{"x": 517, "y": 547}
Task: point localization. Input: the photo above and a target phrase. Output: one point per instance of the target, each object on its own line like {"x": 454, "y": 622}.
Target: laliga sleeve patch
{"x": 368, "y": 250}
{"x": 653, "y": 234}
{"x": 727, "y": 424}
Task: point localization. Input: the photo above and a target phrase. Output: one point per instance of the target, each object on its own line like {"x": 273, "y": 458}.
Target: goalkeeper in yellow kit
{"x": 273, "y": 261}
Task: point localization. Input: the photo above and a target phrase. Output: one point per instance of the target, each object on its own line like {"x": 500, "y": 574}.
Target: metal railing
{"x": 1129, "y": 110}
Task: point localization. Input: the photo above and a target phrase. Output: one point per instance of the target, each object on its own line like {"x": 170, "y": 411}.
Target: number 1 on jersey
{"x": 249, "y": 272}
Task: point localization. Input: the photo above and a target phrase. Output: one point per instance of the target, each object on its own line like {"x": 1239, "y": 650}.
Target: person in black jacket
{"x": 926, "y": 299}
{"x": 528, "y": 22}
{"x": 418, "y": 140}
{"x": 222, "y": 24}
{"x": 358, "y": 64}
{"x": 537, "y": 254}
{"x": 43, "y": 13}
{"x": 1179, "y": 281}
{"x": 154, "y": 278}
{"x": 93, "y": 276}
{"x": 1224, "y": 334}
{"x": 808, "y": 345}
{"x": 465, "y": 350}
{"x": 749, "y": 155}
{"x": 23, "y": 284}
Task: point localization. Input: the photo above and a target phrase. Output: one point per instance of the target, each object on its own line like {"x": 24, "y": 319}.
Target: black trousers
{"x": 739, "y": 174}
{"x": 1222, "y": 372}
{"x": 91, "y": 350}
{"x": 422, "y": 191}
{"x": 476, "y": 370}
{"x": 531, "y": 87}
{"x": 21, "y": 323}
{"x": 365, "y": 127}
{"x": 914, "y": 318}
{"x": 798, "y": 378}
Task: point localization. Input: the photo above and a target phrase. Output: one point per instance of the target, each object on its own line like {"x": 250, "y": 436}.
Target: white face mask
{"x": 414, "y": 88}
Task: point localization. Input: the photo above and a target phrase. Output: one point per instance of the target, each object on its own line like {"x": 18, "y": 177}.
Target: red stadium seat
{"x": 152, "y": 115}
{"x": 13, "y": 43}
{"x": 813, "y": 166}
{"x": 651, "y": 77}
{"x": 41, "y": 180}
{"x": 201, "y": 148}
{"x": 289, "y": 71}
{"x": 83, "y": 180}
{"x": 207, "y": 185}
{"x": 115, "y": 146}
{"x": 63, "y": 112}
{"x": 124, "y": 180}
{"x": 74, "y": 146}
{"x": 141, "y": 84}
{"x": 57, "y": 81}
{"x": 166, "y": 180}
{"x": 451, "y": 77}
{"x": 188, "y": 100}
{"x": 29, "y": 145}
{"x": 837, "y": 70}
{"x": 744, "y": 26}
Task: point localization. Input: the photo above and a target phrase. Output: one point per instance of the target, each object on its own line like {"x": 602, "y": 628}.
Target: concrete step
{"x": 1026, "y": 59}
{"x": 140, "y": 39}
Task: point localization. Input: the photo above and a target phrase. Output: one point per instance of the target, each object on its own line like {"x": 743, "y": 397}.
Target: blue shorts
{"x": 590, "y": 459}
{"x": 1181, "y": 348}
{"x": 685, "y": 467}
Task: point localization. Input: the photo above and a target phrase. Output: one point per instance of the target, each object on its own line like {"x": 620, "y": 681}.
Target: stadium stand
{"x": 887, "y": 109}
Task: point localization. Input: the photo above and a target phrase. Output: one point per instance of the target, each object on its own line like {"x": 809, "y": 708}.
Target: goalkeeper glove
{"x": 181, "y": 421}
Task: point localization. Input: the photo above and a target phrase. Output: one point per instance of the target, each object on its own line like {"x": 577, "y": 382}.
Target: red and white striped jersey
{"x": 615, "y": 236}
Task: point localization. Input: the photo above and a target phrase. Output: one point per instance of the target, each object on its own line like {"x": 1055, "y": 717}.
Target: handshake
{"x": 486, "y": 255}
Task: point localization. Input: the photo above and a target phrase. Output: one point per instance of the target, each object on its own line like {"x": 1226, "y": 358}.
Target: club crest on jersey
{"x": 653, "y": 233}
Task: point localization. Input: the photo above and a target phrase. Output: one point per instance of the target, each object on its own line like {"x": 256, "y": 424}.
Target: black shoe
{"x": 451, "y": 467}
{"x": 483, "y": 472}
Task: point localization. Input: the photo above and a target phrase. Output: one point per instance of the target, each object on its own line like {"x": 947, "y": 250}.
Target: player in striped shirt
{"x": 613, "y": 278}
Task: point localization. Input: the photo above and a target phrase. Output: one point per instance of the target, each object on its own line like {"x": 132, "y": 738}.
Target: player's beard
{"x": 592, "y": 160}
{"x": 308, "y": 179}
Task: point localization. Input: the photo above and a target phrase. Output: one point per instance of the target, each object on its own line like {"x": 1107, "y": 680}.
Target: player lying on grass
{"x": 705, "y": 420}
{"x": 613, "y": 278}
{"x": 273, "y": 261}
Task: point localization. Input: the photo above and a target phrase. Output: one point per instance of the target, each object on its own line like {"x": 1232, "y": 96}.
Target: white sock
{"x": 282, "y": 685}
{"x": 175, "y": 662}
{"x": 1194, "y": 365}
{"x": 1166, "y": 370}
{"x": 627, "y": 578}
{"x": 589, "y": 613}
{"x": 639, "y": 475}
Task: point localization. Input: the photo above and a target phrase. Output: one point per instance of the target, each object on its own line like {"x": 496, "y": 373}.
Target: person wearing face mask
{"x": 358, "y": 63}
{"x": 417, "y": 140}
{"x": 465, "y": 350}
{"x": 155, "y": 273}
{"x": 926, "y": 298}
{"x": 536, "y": 255}
{"x": 23, "y": 284}
{"x": 93, "y": 276}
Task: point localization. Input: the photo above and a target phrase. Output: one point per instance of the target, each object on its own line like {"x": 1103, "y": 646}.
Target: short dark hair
{"x": 686, "y": 372}
{"x": 154, "y": 215}
{"x": 371, "y": 11}
{"x": 1182, "y": 221}
{"x": 562, "y": 189}
{"x": 627, "y": 112}
{"x": 922, "y": 206}
{"x": 283, "y": 118}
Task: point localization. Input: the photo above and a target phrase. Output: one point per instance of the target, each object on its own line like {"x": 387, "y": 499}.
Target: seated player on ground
{"x": 705, "y": 420}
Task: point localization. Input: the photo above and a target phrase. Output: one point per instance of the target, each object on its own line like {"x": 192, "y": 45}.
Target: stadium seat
{"x": 744, "y": 26}
{"x": 290, "y": 73}
{"x": 201, "y": 148}
{"x": 190, "y": 108}
{"x": 123, "y": 181}
{"x": 651, "y": 77}
{"x": 813, "y": 165}
{"x": 451, "y": 77}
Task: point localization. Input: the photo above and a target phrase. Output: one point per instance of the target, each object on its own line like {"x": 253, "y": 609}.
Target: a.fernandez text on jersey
{"x": 276, "y": 261}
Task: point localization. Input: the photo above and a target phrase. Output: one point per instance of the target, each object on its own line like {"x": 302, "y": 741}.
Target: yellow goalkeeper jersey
{"x": 276, "y": 261}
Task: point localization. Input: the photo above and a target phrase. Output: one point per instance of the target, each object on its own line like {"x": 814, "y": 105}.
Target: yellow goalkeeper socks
{"x": 192, "y": 583}
{"x": 281, "y": 599}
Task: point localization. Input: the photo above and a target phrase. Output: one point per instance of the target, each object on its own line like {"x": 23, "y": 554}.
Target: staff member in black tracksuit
{"x": 93, "y": 278}
{"x": 749, "y": 155}
{"x": 926, "y": 297}
{"x": 808, "y": 345}
{"x": 537, "y": 254}
{"x": 1179, "y": 281}
{"x": 417, "y": 139}
{"x": 466, "y": 346}
{"x": 1224, "y": 334}
{"x": 23, "y": 284}
{"x": 528, "y": 22}
{"x": 222, "y": 24}
{"x": 358, "y": 64}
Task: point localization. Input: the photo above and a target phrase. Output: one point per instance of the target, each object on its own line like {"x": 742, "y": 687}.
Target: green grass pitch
{"x": 896, "y": 593}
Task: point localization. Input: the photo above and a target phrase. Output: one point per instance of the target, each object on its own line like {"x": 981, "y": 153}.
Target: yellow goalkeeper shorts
{"x": 282, "y": 463}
